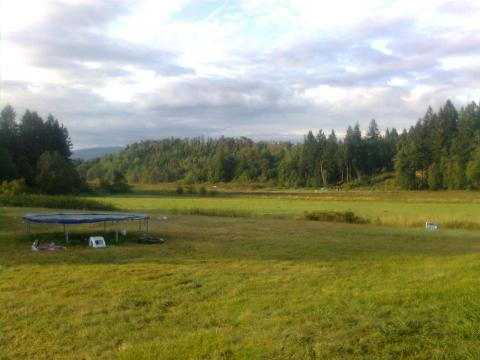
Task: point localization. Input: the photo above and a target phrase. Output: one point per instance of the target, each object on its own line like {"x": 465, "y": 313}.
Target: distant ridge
{"x": 94, "y": 152}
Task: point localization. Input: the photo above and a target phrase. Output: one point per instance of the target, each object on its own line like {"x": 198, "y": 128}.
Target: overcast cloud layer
{"x": 116, "y": 72}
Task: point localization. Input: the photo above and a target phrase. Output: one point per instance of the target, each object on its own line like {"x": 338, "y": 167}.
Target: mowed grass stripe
{"x": 245, "y": 288}
{"x": 456, "y": 210}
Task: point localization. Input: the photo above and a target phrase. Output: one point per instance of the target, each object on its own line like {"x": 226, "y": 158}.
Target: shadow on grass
{"x": 205, "y": 239}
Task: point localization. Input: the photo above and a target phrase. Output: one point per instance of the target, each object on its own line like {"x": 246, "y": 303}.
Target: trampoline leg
{"x": 147, "y": 226}
{"x": 65, "y": 230}
{"x": 116, "y": 231}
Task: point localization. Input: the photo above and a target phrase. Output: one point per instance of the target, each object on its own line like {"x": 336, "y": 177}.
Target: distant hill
{"x": 441, "y": 152}
{"x": 95, "y": 152}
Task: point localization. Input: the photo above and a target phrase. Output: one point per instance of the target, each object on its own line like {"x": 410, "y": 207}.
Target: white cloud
{"x": 418, "y": 93}
{"x": 326, "y": 94}
{"x": 261, "y": 68}
{"x": 145, "y": 22}
{"x": 381, "y": 45}
{"x": 461, "y": 62}
{"x": 339, "y": 96}
{"x": 397, "y": 81}
{"x": 16, "y": 15}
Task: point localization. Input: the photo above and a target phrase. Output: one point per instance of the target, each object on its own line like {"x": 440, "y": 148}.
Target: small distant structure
{"x": 431, "y": 226}
{"x": 96, "y": 242}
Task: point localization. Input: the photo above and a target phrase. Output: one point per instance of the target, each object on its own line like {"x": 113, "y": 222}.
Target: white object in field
{"x": 123, "y": 232}
{"x": 96, "y": 242}
{"x": 163, "y": 217}
{"x": 431, "y": 226}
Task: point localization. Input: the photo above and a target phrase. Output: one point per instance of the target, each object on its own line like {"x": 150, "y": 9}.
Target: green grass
{"x": 242, "y": 288}
{"x": 449, "y": 209}
{"x": 55, "y": 202}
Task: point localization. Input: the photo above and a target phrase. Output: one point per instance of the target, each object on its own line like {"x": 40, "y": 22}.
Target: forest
{"x": 34, "y": 154}
{"x": 35, "y": 158}
{"x": 441, "y": 151}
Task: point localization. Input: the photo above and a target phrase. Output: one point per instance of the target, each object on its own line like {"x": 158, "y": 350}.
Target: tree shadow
{"x": 207, "y": 239}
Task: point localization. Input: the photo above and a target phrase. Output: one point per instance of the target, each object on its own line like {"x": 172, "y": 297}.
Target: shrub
{"x": 215, "y": 212}
{"x": 14, "y": 187}
{"x": 118, "y": 185}
{"x": 202, "y": 190}
{"x": 179, "y": 190}
{"x": 334, "y": 216}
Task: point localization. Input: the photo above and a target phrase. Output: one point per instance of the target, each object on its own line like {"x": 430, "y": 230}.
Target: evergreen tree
{"x": 454, "y": 177}
{"x": 462, "y": 144}
{"x": 22, "y": 145}
{"x": 330, "y": 159}
{"x": 58, "y": 138}
{"x": 373, "y": 133}
{"x": 308, "y": 160}
{"x": 373, "y": 145}
{"x": 435, "y": 178}
{"x": 348, "y": 153}
{"x": 390, "y": 148}
{"x": 405, "y": 167}
{"x": 358, "y": 152}
{"x": 8, "y": 144}
{"x": 447, "y": 125}
{"x": 56, "y": 175}
{"x": 473, "y": 170}
{"x": 321, "y": 173}
{"x": 223, "y": 164}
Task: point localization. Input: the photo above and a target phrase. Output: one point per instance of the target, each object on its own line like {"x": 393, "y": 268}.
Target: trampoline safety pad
{"x": 83, "y": 218}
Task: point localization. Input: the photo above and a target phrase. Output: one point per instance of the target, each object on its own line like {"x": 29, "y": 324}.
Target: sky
{"x": 117, "y": 72}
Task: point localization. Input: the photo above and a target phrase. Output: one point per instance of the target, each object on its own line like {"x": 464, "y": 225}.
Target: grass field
{"x": 243, "y": 288}
{"x": 449, "y": 209}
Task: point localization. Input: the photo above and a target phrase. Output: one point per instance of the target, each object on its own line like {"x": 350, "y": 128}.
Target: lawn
{"x": 449, "y": 209}
{"x": 243, "y": 288}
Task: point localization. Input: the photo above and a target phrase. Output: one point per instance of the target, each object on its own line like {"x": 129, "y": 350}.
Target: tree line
{"x": 35, "y": 157}
{"x": 441, "y": 151}
{"x": 321, "y": 160}
{"x": 34, "y": 154}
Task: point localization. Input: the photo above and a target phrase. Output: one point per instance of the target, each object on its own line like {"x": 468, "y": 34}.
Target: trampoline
{"x": 66, "y": 219}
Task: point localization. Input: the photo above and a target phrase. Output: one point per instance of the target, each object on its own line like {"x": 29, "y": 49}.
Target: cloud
{"x": 118, "y": 72}
{"x": 72, "y": 36}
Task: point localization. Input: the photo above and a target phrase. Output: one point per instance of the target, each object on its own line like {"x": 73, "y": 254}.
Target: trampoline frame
{"x": 84, "y": 218}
